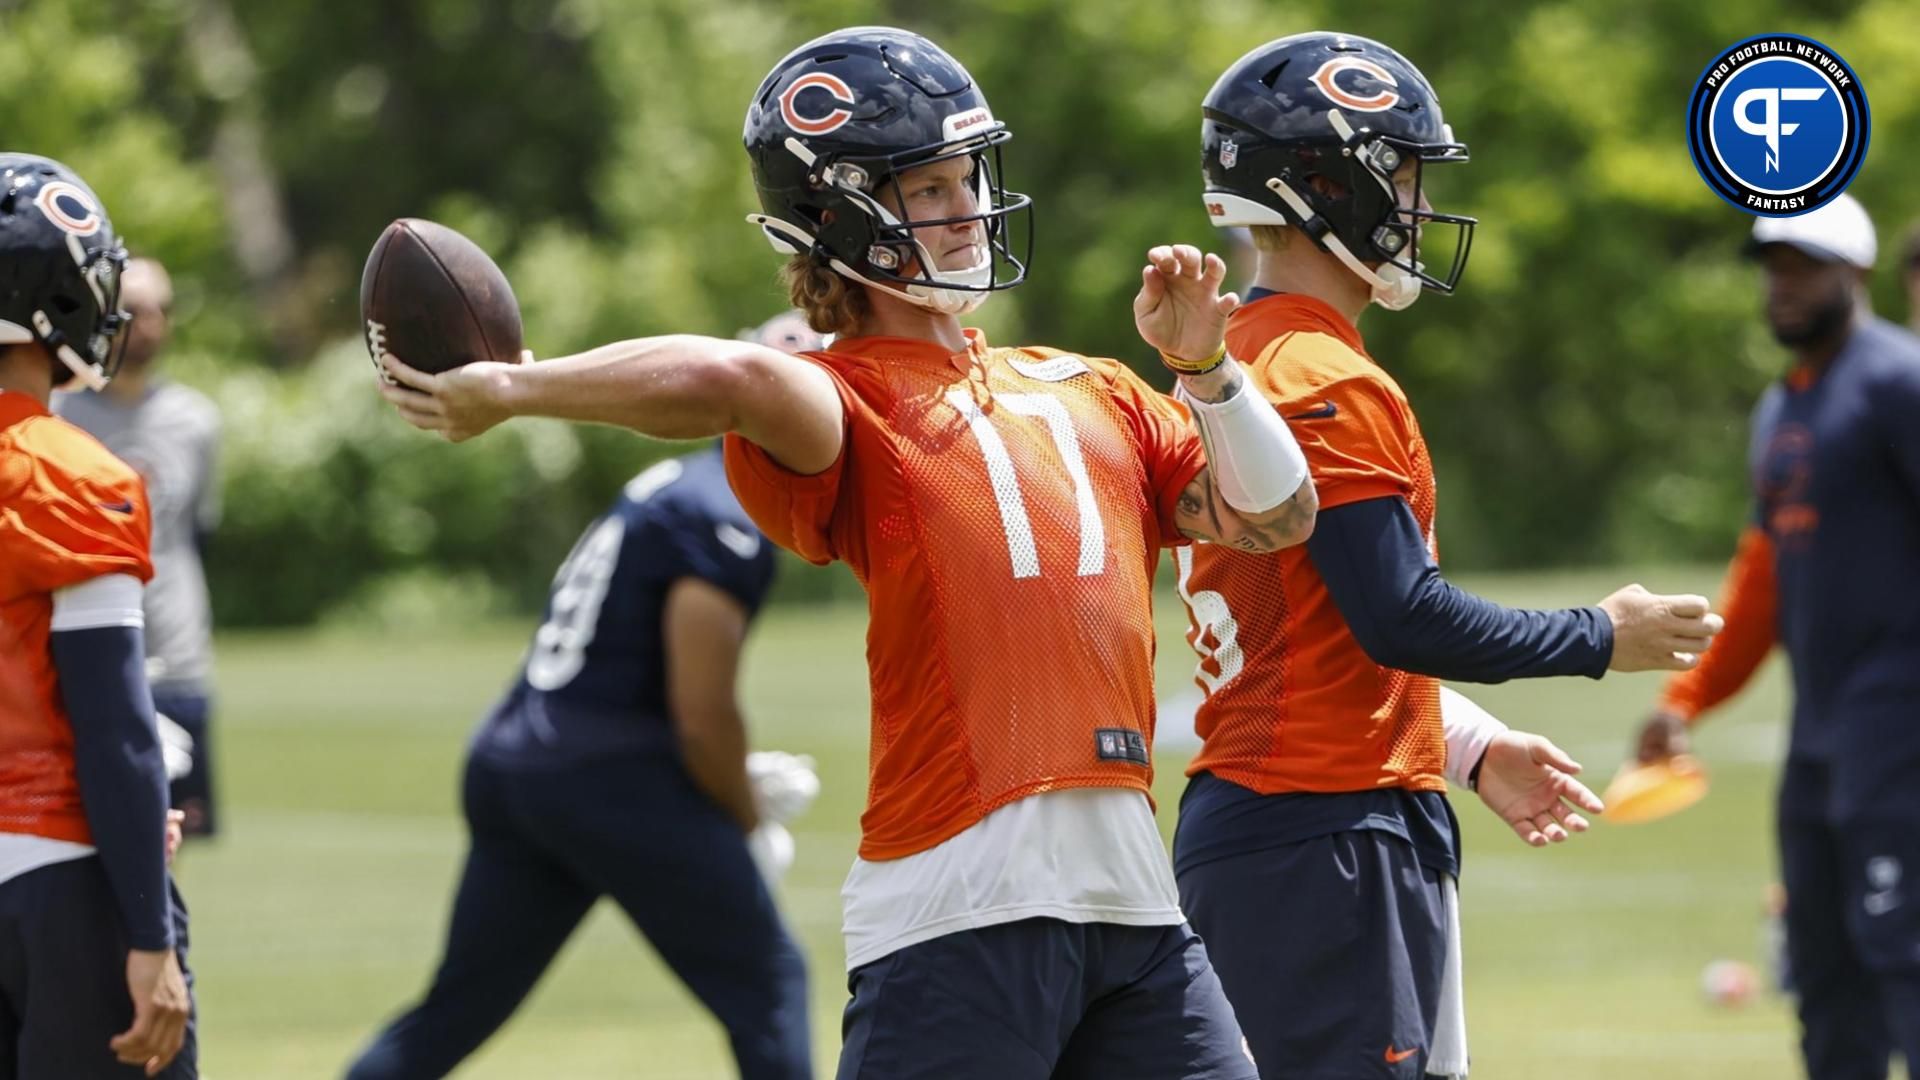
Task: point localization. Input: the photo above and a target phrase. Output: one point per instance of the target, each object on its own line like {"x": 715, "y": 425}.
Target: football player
{"x": 617, "y": 765}
{"x": 170, "y": 434}
{"x": 1829, "y": 567}
{"x": 1910, "y": 275}
{"x": 93, "y": 981}
{"x": 1315, "y": 802}
{"x": 1011, "y": 912}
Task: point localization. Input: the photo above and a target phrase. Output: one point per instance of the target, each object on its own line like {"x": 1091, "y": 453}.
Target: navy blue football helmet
{"x": 845, "y": 114}
{"x": 1352, "y": 112}
{"x": 60, "y": 265}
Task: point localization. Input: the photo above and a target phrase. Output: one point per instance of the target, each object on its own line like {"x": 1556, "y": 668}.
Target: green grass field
{"x": 320, "y": 910}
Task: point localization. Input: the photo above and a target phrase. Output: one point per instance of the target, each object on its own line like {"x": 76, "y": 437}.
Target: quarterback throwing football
{"x": 1011, "y": 913}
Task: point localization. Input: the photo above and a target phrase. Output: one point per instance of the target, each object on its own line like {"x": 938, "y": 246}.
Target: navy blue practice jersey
{"x": 594, "y": 679}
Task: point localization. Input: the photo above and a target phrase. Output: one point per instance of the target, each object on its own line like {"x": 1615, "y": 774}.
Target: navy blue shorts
{"x": 193, "y": 793}
{"x": 63, "y": 977}
{"x": 1042, "y": 998}
{"x": 1332, "y": 950}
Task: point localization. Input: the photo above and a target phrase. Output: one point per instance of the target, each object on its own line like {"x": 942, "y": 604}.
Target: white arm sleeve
{"x": 1254, "y": 459}
{"x": 108, "y": 600}
{"x": 1470, "y": 729}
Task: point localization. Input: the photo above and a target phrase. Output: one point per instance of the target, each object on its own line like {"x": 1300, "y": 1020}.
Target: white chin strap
{"x": 953, "y": 301}
{"x": 791, "y": 239}
{"x": 1393, "y": 287}
{"x": 12, "y": 333}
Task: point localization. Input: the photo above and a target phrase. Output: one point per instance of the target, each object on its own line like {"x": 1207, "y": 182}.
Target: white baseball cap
{"x": 1840, "y": 231}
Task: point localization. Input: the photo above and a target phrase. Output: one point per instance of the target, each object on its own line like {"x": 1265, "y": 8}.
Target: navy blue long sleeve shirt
{"x": 1405, "y": 615}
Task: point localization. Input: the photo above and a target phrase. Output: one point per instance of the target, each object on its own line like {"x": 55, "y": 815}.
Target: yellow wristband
{"x": 1195, "y": 367}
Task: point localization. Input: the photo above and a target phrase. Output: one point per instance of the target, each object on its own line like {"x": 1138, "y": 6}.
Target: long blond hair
{"x": 833, "y": 304}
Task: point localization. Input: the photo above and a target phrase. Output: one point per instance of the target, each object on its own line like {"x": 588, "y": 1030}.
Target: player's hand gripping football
{"x": 1179, "y": 309}
{"x": 1530, "y": 783}
{"x": 160, "y": 1008}
{"x": 1658, "y": 633}
{"x": 457, "y": 404}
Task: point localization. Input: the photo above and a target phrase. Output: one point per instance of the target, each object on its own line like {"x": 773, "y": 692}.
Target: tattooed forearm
{"x": 1204, "y": 516}
{"x": 1199, "y": 516}
{"x": 1215, "y": 386}
{"x": 1289, "y": 523}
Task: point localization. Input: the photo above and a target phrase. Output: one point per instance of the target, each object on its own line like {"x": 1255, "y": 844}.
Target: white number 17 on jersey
{"x": 1006, "y": 486}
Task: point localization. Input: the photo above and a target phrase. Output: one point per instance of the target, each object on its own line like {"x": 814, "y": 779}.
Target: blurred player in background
{"x": 1316, "y": 801}
{"x": 1829, "y": 567}
{"x": 1910, "y": 276}
{"x": 92, "y": 937}
{"x": 788, "y": 332}
{"x": 1012, "y": 913}
{"x": 170, "y": 434}
{"x": 617, "y": 765}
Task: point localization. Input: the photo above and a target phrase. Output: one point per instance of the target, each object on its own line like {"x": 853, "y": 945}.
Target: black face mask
{"x": 1824, "y": 325}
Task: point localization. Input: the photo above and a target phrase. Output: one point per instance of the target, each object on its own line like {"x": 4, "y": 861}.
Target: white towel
{"x": 1448, "y": 1055}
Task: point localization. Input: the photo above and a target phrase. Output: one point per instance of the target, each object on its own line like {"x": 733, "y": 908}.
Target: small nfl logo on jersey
{"x": 1109, "y": 746}
{"x": 1229, "y": 153}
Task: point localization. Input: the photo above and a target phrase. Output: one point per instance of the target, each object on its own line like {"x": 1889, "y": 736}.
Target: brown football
{"x": 434, "y": 300}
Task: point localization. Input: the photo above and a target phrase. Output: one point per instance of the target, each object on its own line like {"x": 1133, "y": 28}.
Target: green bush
{"x": 1585, "y": 395}
{"x": 328, "y": 493}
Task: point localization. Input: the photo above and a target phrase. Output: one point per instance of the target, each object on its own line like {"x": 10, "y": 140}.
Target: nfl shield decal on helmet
{"x": 1229, "y": 153}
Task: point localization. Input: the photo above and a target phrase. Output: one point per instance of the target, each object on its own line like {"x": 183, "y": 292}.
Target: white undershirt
{"x": 1083, "y": 855}
{"x": 107, "y": 600}
{"x": 22, "y": 853}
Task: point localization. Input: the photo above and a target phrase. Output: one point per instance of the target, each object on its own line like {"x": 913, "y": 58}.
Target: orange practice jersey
{"x": 1004, "y": 509}
{"x": 69, "y": 511}
{"x": 1293, "y": 702}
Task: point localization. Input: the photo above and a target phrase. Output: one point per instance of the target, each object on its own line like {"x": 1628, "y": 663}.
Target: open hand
{"x": 1530, "y": 783}
{"x": 161, "y": 1006}
{"x": 1179, "y": 309}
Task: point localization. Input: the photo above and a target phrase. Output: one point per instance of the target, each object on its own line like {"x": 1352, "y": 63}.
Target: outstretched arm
{"x": 1405, "y": 615}
{"x": 679, "y": 386}
{"x": 1750, "y": 601}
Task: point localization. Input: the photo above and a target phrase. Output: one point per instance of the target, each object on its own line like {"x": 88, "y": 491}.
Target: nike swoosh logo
{"x": 1325, "y": 410}
{"x": 1395, "y": 1057}
{"x": 124, "y": 506}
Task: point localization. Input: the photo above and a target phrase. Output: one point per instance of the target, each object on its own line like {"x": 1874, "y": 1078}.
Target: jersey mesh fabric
{"x": 1293, "y": 702}
{"x": 1004, "y": 509}
{"x": 69, "y": 511}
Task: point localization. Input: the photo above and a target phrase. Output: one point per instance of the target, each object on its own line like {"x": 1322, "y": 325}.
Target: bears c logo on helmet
{"x": 68, "y": 208}
{"x": 1379, "y": 101}
{"x": 834, "y": 85}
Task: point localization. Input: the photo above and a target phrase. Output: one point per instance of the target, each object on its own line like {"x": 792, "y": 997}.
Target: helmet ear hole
{"x": 64, "y": 304}
{"x": 1325, "y": 186}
